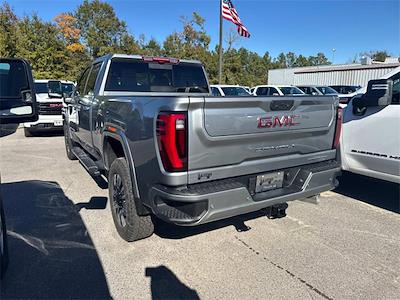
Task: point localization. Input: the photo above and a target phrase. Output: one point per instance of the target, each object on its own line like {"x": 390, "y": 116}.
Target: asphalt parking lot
{"x": 63, "y": 243}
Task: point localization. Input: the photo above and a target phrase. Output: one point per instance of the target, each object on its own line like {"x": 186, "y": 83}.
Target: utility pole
{"x": 220, "y": 43}
{"x": 333, "y": 55}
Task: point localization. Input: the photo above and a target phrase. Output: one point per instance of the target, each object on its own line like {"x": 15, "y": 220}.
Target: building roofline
{"x": 319, "y": 69}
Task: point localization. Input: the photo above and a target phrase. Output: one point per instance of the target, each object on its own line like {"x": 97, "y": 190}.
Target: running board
{"x": 86, "y": 161}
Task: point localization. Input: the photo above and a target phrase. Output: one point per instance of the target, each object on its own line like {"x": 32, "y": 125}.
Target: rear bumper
{"x": 46, "y": 122}
{"x": 207, "y": 202}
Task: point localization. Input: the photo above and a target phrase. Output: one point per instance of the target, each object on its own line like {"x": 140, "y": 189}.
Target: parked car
{"x": 228, "y": 90}
{"x": 275, "y": 90}
{"x": 171, "y": 150}
{"x": 344, "y": 99}
{"x": 50, "y": 105}
{"x": 17, "y": 104}
{"x": 345, "y": 89}
{"x": 317, "y": 90}
{"x": 370, "y": 144}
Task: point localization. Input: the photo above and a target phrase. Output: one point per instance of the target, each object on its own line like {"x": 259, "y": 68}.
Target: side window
{"x": 272, "y": 91}
{"x": 262, "y": 91}
{"x": 396, "y": 88}
{"x": 80, "y": 87}
{"x": 92, "y": 79}
{"x": 215, "y": 91}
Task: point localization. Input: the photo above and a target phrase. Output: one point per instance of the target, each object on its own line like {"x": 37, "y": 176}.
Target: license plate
{"x": 58, "y": 123}
{"x": 270, "y": 181}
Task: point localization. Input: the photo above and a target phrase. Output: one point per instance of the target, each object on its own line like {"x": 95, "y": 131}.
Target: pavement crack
{"x": 304, "y": 282}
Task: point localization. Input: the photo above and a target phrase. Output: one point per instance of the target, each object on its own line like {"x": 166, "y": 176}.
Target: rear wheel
{"x": 68, "y": 144}
{"x": 130, "y": 226}
{"x": 27, "y": 132}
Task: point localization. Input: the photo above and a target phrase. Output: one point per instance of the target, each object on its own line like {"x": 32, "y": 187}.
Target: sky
{"x": 301, "y": 26}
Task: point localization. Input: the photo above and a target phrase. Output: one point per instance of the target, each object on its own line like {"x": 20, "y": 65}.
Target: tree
{"x": 100, "y": 28}
{"x": 38, "y": 42}
{"x": 377, "y": 55}
{"x": 67, "y": 25}
{"x": 302, "y": 61}
{"x": 319, "y": 60}
{"x": 8, "y": 31}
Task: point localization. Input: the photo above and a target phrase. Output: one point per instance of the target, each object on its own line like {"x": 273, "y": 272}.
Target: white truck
{"x": 370, "y": 141}
{"x": 49, "y": 106}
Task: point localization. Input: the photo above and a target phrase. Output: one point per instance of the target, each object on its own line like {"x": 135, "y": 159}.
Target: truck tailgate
{"x": 245, "y": 135}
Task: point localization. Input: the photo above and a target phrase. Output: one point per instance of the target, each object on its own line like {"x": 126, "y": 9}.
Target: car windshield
{"x": 42, "y": 88}
{"x": 290, "y": 90}
{"x": 235, "y": 91}
{"x": 128, "y": 75}
{"x": 326, "y": 90}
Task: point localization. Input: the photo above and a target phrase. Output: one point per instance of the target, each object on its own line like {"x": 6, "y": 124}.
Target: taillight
{"x": 338, "y": 129}
{"x": 160, "y": 60}
{"x": 171, "y": 129}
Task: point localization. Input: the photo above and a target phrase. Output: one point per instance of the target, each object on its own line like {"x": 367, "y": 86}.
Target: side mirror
{"x": 67, "y": 98}
{"x": 55, "y": 89}
{"x": 17, "y": 92}
{"x": 275, "y": 94}
{"x": 314, "y": 93}
{"x": 379, "y": 93}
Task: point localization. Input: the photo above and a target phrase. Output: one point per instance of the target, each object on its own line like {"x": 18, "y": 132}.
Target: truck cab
{"x": 50, "y": 107}
{"x": 370, "y": 143}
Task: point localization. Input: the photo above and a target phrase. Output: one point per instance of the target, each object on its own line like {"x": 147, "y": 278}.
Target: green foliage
{"x": 8, "y": 31}
{"x": 38, "y": 43}
{"x": 61, "y": 50}
{"x": 101, "y": 30}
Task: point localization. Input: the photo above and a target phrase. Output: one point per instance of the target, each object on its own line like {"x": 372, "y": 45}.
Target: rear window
{"x": 127, "y": 75}
{"x": 235, "y": 91}
{"x": 42, "y": 88}
{"x": 290, "y": 90}
{"x": 13, "y": 79}
{"x": 326, "y": 90}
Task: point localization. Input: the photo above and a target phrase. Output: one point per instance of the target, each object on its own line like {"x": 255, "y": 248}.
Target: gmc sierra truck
{"x": 50, "y": 106}
{"x": 171, "y": 149}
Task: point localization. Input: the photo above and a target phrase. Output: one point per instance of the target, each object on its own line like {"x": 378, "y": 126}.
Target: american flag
{"x": 229, "y": 13}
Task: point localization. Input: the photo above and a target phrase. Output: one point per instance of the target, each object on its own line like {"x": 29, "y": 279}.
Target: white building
{"x": 350, "y": 74}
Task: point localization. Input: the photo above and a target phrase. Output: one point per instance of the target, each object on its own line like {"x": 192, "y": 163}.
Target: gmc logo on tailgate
{"x": 278, "y": 121}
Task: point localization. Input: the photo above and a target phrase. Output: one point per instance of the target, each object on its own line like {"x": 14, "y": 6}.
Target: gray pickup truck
{"x": 172, "y": 150}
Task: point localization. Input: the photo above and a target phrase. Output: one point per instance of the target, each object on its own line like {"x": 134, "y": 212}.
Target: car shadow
{"x": 373, "y": 191}
{"x": 48, "y": 133}
{"x": 165, "y": 285}
{"x": 171, "y": 231}
{"x": 51, "y": 253}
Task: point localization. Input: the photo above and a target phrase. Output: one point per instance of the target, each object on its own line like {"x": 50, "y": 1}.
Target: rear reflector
{"x": 338, "y": 130}
{"x": 161, "y": 60}
{"x": 171, "y": 129}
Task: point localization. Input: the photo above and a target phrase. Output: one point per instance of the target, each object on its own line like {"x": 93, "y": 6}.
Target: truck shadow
{"x": 171, "y": 231}
{"x": 7, "y": 129}
{"x": 373, "y": 191}
{"x": 51, "y": 253}
{"x": 165, "y": 285}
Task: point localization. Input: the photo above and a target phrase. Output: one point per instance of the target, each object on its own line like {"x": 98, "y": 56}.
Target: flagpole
{"x": 220, "y": 43}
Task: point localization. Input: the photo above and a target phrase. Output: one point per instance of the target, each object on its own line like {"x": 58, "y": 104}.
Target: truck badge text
{"x": 278, "y": 121}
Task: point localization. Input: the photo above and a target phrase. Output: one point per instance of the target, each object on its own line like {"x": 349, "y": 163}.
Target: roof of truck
{"x": 226, "y": 85}
{"x": 111, "y": 56}
{"x": 47, "y": 80}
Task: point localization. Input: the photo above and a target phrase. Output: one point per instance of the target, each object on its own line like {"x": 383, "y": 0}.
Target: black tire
{"x": 27, "y": 132}
{"x": 130, "y": 226}
{"x": 3, "y": 243}
{"x": 68, "y": 145}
